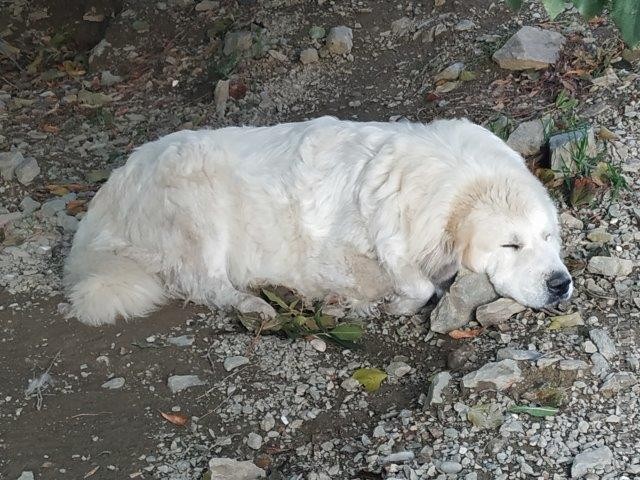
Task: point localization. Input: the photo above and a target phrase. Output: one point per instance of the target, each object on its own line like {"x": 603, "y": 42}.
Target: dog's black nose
{"x": 559, "y": 283}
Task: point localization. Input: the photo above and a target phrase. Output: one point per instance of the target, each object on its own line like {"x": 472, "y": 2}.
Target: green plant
{"x": 296, "y": 319}
{"x": 625, "y": 13}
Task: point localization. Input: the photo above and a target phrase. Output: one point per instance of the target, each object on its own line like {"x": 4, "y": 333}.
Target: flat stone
{"x": 590, "y": 460}
{"x": 398, "y": 369}
{"x": 9, "y": 161}
{"x": 398, "y": 457}
{"x": 29, "y": 205}
{"x": 182, "y": 340}
{"x": 234, "y": 362}
{"x": 26, "y": 476}
{"x": 206, "y": 5}
{"x": 545, "y": 362}
{"x": 114, "y": 383}
{"x": 509, "y": 353}
{"x": 606, "y": 345}
{"x": 600, "y": 365}
{"x": 254, "y": 441}
{"x": 340, "y": 40}
{"x": 457, "y": 306}
{"x": 610, "y": 266}
{"x": 177, "y": 383}
{"x": 497, "y": 312}
{"x": 108, "y": 79}
{"x": 498, "y": 375}
{"x": 52, "y": 207}
{"x": 589, "y": 347}
{"x": 450, "y": 468}
{"x": 599, "y": 235}
{"x": 570, "y": 221}
{"x": 230, "y": 469}
{"x": 67, "y": 222}
{"x": 452, "y": 72}
{"x": 527, "y": 138}
{"x": 614, "y": 382}
{"x": 268, "y": 422}
{"x": 572, "y": 365}
{"x": 438, "y": 384}
{"x": 563, "y": 147}
{"x": 309, "y": 55}
{"x": 27, "y": 170}
{"x": 530, "y": 48}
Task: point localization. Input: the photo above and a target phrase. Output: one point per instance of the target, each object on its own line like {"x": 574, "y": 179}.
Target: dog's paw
{"x": 404, "y": 306}
{"x": 252, "y": 304}
{"x": 359, "y": 308}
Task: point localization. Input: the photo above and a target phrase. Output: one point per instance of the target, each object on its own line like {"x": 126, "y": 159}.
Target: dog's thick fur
{"x": 365, "y": 210}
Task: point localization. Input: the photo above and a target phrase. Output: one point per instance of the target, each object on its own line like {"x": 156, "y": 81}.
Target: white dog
{"x": 368, "y": 211}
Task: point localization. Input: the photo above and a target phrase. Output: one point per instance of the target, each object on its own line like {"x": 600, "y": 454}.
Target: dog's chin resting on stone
{"x": 365, "y": 211}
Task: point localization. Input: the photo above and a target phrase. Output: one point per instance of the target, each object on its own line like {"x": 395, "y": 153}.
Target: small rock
{"x": 545, "y": 362}
{"x": 606, "y": 346}
{"x": 530, "y": 48}
{"x": 464, "y": 25}
{"x": 610, "y": 266}
{"x": 177, "y": 383}
{"x": 220, "y": 97}
{"x": 379, "y": 432}
{"x": 452, "y": 72}
{"x": 52, "y": 207}
{"x": 26, "y": 476}
{"x": 456, "y": 308}
{"x": 447, "y": 87}
{"x": 237, "y": 43}
{"x": 93, "y": 99}
{"x": 438, "y": 384}
{"x": 229, "y": 469}
{"x": 27, "y": 170}
{"x": 29, "y": 205}
{"x": 108, "y": 79}
{"x": 527, "y": 138}
{"x": 397, "y": 369}
{"x": 140, "y": 26}
{"x": 182, "y": 340}
{"x": 316, "y": 32}
{"x": 592, "y": 459}
{"x": 589, "y": 347}
{"x": 9, "y": 161}
{"x": 403, "y": 26}
{"x": 398, "y": 457}
{"x": 600, "y": 365}
{"x": 570, "y": 221}
{"x": 206, "y": 6}
{"x": 450, "y": 468}
{"x": 500, "y": 375}
{"x": 350, "y": 385}
{"x": 309, "y": 55}
{"x": 340, "y": 40}
{"x": 234, "y": 362}
{"x": 318, "y": 344}
{"x": 114, "y": 383}
{"x": 563, "y": 148}
{"x": 254, "y": 441}
{"x": 618, "y": 381}
{"x": 633, "y": 361}
{"x": 67, "y": 222}
{"x": 497, "y": 312}
{"x": 572, "y": 364}
{"x": 268, "y": 422}
{"x": 600, "y": 235}
{"x": 509, "y": 353}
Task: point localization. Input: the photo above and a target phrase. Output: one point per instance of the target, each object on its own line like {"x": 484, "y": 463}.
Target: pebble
{"x": 614, "y": 382}
{"x": 9, "y": 161}
{"x": 530, "y": 48}
{"x": 28, "y": 205}
{"x": 177, "y": 383}
{"x": 592, "y": 459}
{"x": 309, "y": 55}
{"x": 114, "y": 383}
{"x": 254, "y": 441}
{"x": 27, "y": 171}
{"x": 528, "y": 137}
{"x": 397, "y": 369}
{"x": 606, "y": 346}
{"x": 570, "y": 221}
{"x": 230, "y": 469}
{"x": 572, "y": 364}
{"x": 610, "y": 266}
{"x": 438, "y": 384}
{"x": 600, "y": 365}
{"x": 500, "y": 375}
{"x": 182, "y": 340}
{"x": 268, "y": 422}
{"x": 516, "y": 354}
{"x": 340, "y": 40}
{"x": 450, "y": 468}
{"x": 26, "y": 476}
{"x": 108, "y": 79}
{"x": 206, "y": 6}
{"x": 398, "y": 457}
{"x": 452, "y": 72}
{"x": 589, "y": 347}
{"x": 234, "y": 362}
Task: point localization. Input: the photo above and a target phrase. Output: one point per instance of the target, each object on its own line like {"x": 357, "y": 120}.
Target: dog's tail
{"x": 103, "y": 286}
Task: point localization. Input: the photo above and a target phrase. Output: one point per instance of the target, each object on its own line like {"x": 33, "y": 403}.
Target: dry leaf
{"x": 91, "y": 472}
{"x": 50, "y": 128}
{"x": 460, "y": 334}
{"x": 74, "y": 207}
{"x": 178, "y": 419}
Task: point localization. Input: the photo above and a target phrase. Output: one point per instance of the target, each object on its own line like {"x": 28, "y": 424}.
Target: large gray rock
{"x": 9, "y": 161}
{"x": 527, "y": 138}
{"x": 606, "y": 345}
{"x": 177, "y": 383}
{"x": 497, "y": 312}
{"x": 340, "y": 40}
{"x": 591, "y": 459}
{"x": 564, "y": 147}
{"x": 530, "y": 48}
{"x": 230, "y": 469}
{"x": 610, "y": 266}
{"x": 498, "y": 375}
{"x": 456, "y": 309}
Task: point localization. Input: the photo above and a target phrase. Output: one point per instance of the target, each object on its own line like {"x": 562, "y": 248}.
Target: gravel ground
{"x": 78, "y": 402}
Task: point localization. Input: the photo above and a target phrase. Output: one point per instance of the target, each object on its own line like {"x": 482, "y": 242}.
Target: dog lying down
{"x": 371, "y": 212}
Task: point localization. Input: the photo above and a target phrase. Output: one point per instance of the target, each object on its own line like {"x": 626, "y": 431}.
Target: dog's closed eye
{"x": 513, "y": 246}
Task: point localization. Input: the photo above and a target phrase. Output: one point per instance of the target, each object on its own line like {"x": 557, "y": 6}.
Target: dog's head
{"x": 507, "y": 227}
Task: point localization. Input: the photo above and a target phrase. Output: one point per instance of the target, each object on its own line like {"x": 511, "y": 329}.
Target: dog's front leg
{"x": 412, "y": 292}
